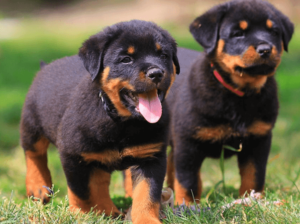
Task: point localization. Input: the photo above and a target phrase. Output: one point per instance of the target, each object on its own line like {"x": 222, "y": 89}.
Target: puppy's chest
{"x": 225, "y": 131}
{"x": 125, "y": 147}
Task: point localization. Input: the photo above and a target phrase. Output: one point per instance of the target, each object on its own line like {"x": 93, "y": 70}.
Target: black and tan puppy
{"x": 228, "y": 96}
{"x": 104, "y": 111}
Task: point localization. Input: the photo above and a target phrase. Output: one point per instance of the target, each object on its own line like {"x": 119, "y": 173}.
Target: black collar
{"x": 108, "y": 106}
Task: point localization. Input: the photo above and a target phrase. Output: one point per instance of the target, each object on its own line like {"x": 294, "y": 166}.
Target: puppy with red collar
{"x": 227, "y": 95}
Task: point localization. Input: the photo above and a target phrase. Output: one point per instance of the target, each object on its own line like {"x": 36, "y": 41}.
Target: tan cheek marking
{"x": 248, "y": 182}
{"x": 38, "y": 174}
{"x": 158, "y": 47}
{"x": 269, "y": 24}
{"x": 214, "y": 133}
{"x": 99, "y": 196}
{"x": 143, "y": 151}
{"x": 275, "y": 56}
{"x": 243, "y": 25}
{"x": 112, "y": 88}
{"x": 173, "y": 77}
{"x": 142, "y": 76}
{"x": 130, "y": 50}
{"x": 249, "y": 56}
{"x": 181, "y": 193}
{"x": 107, "y": 157}
{"x": 143, "y": 209}
{"x": 227, "y": 62}
{"x": 260, "y": 128}
{"x": 128, "y": 183}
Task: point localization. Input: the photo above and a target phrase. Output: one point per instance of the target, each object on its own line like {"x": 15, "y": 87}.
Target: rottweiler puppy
{"x": 104, "y": 110}
{"x": 227, "y": 95}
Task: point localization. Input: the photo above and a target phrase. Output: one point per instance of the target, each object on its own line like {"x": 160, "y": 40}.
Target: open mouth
{"x": 263, "y": 69}
{"x": 148, "y": 104}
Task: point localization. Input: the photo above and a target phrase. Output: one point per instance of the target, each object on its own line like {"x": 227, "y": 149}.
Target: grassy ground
{"x": 19, "y": 61}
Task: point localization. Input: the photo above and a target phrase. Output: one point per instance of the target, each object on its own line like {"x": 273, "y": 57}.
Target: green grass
{"x": 19, "y": 61}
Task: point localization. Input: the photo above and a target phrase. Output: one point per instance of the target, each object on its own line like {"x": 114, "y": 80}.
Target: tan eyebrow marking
{"x": 130, "y": 50}
{"x": 158, "y": 47}
{"x": 243, "y": 24}
{"x": 269, "y": 23}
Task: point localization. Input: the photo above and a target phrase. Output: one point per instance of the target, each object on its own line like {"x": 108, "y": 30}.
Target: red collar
{"x": 226, "y": 85}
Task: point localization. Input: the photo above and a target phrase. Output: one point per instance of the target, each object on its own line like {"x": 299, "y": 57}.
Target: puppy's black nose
{"x": 155, "y": 74}
{"x": 264, "y": 50}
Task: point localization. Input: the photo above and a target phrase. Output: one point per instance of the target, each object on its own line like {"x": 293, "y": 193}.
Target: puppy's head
{"x": 245, "y": 39}
{"x": 135, "y": 62}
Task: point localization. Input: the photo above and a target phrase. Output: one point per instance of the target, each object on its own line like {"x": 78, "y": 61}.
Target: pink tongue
{"x": 150, "y": 106}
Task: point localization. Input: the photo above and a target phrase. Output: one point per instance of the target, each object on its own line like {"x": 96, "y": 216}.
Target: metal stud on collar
{"x": 101, "y": 96}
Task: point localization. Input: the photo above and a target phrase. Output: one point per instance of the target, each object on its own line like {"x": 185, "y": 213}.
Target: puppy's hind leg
{"x": 38, "y": 175}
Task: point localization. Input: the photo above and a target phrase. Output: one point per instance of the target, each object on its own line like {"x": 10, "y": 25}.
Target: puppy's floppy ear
{"x": 93, "y": 50}
{"x": 287, "y": 27}
{"x": 91, "y": 53}
{"x": 205, "y": 28}
{"x": 173, "y": 43}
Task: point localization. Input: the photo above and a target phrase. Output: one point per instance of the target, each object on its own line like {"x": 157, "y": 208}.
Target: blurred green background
{"x": 46, "y": 30}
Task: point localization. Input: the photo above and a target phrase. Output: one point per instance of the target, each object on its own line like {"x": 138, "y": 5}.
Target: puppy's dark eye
{"x": 163, "y": 56}
{"x": 238, "y": 33}
{"x": 126, "y": 60}
{"x": 275, "y": 31}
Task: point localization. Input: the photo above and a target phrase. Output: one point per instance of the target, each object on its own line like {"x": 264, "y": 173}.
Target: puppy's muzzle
{"x": 155, "y": 74}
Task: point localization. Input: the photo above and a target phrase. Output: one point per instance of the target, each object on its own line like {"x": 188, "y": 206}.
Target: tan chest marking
{"x": 110, "y": 157}
{"x": 259, "y": 128}
{"x": 105, "y": 157}
{"x": 142, "y": 151}
{"x": 214, "y": 133}
{"x": 222, "y": 132}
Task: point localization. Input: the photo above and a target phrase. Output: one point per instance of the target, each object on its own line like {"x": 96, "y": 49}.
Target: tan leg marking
{"x": 170, "y": 170}
{"x": 98, "y": 198}
{"x": 247, "y": 173}
{"x": 128, "y": 183}
{"x": 182, "y": 193}
{"x": 38, "y": 174}
{"x": 143, "y": 209}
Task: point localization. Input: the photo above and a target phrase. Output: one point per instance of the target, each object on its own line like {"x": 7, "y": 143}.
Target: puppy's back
{"x": 50, "y": 94}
